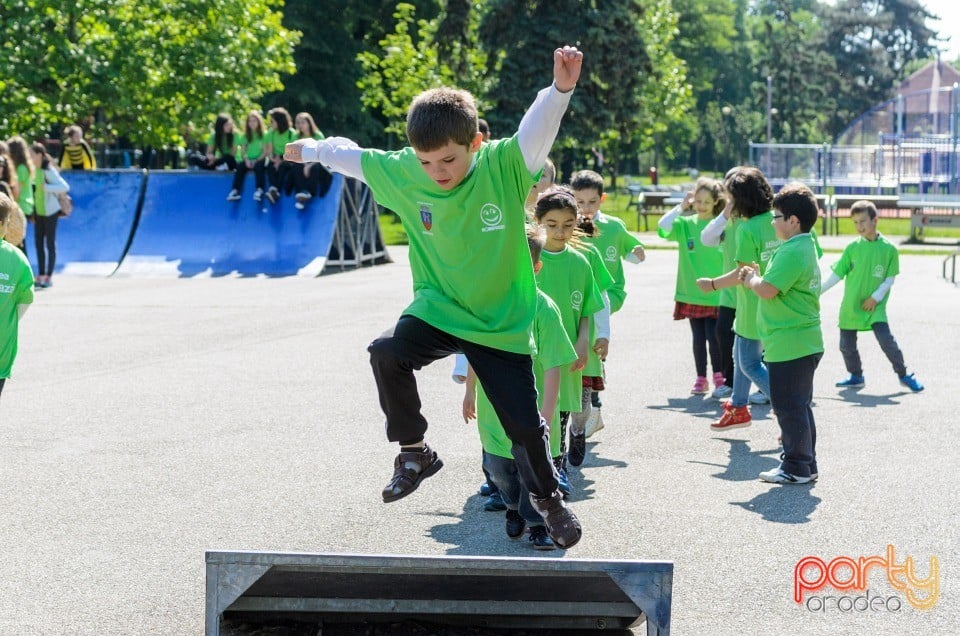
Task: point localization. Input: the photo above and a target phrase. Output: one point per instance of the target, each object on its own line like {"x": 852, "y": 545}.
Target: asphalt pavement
{"x": 151, "y": 420}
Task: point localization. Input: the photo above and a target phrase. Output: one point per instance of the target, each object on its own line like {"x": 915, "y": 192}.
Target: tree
{"x": 152, "y": 70}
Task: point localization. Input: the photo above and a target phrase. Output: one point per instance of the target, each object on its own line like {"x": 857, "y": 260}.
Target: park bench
{"x": 650, "y": 203}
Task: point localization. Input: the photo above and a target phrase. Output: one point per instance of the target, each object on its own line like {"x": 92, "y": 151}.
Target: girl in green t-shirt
{"x": 311, "y": 179}
{"x": 251, "y": 151}
{"x": 278, "y": 171}
{"x": 568, "y": 279}
{"x": 23, "y": 169}
{"x": 697, "y": 260}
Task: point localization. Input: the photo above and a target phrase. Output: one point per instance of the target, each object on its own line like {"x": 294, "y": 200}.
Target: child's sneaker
{"x": 733, "y": 417}
{"x": 718, "y": 380}
{"x": 780, "y": 476}
{"x": 578, "y": 448}
{"x": 595, "y": 399}
{"x": 594, "y": 422}
{"x": 563, "y": 483}
{"x": 258, "y": 194}
{"x": 853, "y": 382}
{"x": 562, "y": 525}
{"x": 299, "y": 205}
{"x": 701, "y": 386}
{"x": 494, "y": 503}
{"x": 515, "y": 524}
{"x": 273, "y": 195}
{"x": 758, "y": 397}
{"x": 234, "y": 195}
{"x": 911, "y": 383}
{"x": 540, "y": 539}
{"x": 722, "y": 392}
{"x": 304, "y": 196}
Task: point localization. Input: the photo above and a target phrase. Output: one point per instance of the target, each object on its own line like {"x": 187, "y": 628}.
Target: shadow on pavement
{"x": 783, "y": 504}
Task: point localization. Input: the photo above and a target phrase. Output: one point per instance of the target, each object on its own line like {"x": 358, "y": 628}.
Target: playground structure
{"x": 177, "y": 224}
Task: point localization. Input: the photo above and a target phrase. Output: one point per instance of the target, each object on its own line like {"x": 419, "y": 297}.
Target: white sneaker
{"x": 299, "y": 205}
{"x": 233, "y": 196}
{"x": 258, "y": 195}
{"x": 758, "y": 397}
{"x": 779, "y": 476}
{"x": 594, "y": 422}
{"x": 304, "y": 196}
{"x": 721, "y": 392}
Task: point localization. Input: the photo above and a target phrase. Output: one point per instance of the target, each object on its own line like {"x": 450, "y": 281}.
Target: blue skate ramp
{"x": 91, "y": 241}
{"x": 187, "y": 228}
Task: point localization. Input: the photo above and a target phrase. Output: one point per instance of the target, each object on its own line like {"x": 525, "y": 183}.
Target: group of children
{"x": 259, "y": 149}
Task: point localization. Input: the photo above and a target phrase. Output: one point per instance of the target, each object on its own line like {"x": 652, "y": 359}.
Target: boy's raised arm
{"x": 541, "y": 123}
{"x": 337, "y": 154}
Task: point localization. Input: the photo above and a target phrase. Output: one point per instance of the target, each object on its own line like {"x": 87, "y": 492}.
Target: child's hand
{"x": 581, "y": 348}
{"x": 469, "y": 408}
{"x": 728, "y": 208}
{"x": 687, "y": 201}
{"x": 746, "y": 275}
{"x": 640, "y": 253}
{"x": 567, "y": 63}
{"x": 869, "y": 304}
{"x": 601, "y": 347}
{"x": 705, "y": 284}
{"x": 293, "y": 151}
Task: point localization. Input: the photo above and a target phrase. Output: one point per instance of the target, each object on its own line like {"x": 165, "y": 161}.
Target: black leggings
{"x": 45, "y": 234}
{"x": 704, "y": 334}
{"x": 725, "y": 336}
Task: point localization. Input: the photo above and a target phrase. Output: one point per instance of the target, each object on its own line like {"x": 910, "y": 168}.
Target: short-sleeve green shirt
{"x": 279, "y": 140}
{"x": 16, "y": 288}
{"x": 614, "y": 243}
{"x": 25, "y": 201}
{"x": 254, "y": 147}
{"x": 554, "y": 350}
{"x": 789, "y": 323}
{"x": 695, "y": 260}
{"x": 472, "y": 275}
{"x": 756, "y": 243}
{"x": 567, "y": 278}
{"x": 864, "y": 265}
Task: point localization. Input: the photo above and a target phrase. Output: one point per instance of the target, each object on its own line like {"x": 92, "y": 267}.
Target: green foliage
{"x": 408, "y": 63}
{"x": 152, "y": 70}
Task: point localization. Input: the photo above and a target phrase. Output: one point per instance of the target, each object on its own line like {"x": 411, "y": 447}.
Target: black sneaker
{"x": 515, "y": 524}
{"x": 578, "y": 448}
{"x": 595, "y": 400}
{"x": 540, "y": 539}
{"x": 273, "y": 195}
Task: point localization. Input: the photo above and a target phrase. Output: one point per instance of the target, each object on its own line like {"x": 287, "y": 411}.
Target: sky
{"x": 948, "y": 25}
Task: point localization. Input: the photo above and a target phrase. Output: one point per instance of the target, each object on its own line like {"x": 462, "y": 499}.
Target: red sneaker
{"x": 736, "y": 417}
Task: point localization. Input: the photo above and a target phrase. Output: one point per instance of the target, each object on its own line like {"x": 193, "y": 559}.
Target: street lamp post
{"x": 726, "y": 111}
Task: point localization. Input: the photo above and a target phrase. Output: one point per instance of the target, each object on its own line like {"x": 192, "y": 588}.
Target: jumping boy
{"x": 788, "y": 319}
{"x": 16, "y": 291}
{"x": 461, "y": 204}
{"x": 870, "y": 265}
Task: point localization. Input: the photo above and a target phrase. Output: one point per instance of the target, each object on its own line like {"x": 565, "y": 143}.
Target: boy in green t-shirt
{"x": 869, "y": 265}
{"x": 555, "y": 352}
{"x": 788, "y": 320}
{"x": 461, "y": 204}
{"x": 16, "y": 291}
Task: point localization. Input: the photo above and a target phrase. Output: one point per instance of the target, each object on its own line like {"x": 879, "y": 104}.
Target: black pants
{"x": 2, "y": 382}
{"x": 881, "y": 330}
{"x": 312, "y": 178}
{"x": 705, "y": 335}
{"x": 45, "y": 242}
{"x": 506, "y": 378}
{"x": 259, "y": 175}
{"x": 280, "y": 176}
{"x": 725, "y": 336}
{"x": 791, "y": 395}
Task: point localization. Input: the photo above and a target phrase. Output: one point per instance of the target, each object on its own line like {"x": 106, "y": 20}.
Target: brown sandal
{"x": 562, "y": 524}
{"x": 405, "y": 480}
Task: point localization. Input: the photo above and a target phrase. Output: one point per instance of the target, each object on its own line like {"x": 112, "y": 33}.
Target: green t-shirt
{"x": 789, "y": 323}
{"x": 756, "y": 243}
{"x": 567, "y": 278}
{"x": 695, "y": 260}
{"x": 614, "y": 243}
{"x": 472, "y": 275}
{"x": 865, "y": 264}
{"x": 254, "y": 147}
{"x": 226, "y": 148}
{"x": 278, "y": 140}
{"x": 604, "y": 280}
{"x": 16, "y": 288}
{"x": 728, "y": 245}
{"x": 39, "y": 193}
{"x": 25, "y": 201}
{"x": 554, "y": 350}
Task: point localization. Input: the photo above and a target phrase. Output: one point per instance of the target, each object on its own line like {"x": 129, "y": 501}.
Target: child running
{"x": 568, "y": 279}
{"x": 697, "y": 260}
{"x": 461, "y": 204}
{"x": 869, "y": 264}
{"x": 554, "y": 354}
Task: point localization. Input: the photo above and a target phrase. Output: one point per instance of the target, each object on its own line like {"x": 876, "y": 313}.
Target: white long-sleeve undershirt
{"x": 710, "y": 236}
{"x": 878, "y": 295}
{"x": 666, "y": 221}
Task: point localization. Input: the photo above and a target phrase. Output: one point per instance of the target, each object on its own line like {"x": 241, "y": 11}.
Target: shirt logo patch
{"x": 576, "y": 298}
{"x": 611, "y": 254}
{"x": 878, "y": 271}
{"x": 426, "y": 217}
{"x": 492, "y": 217}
